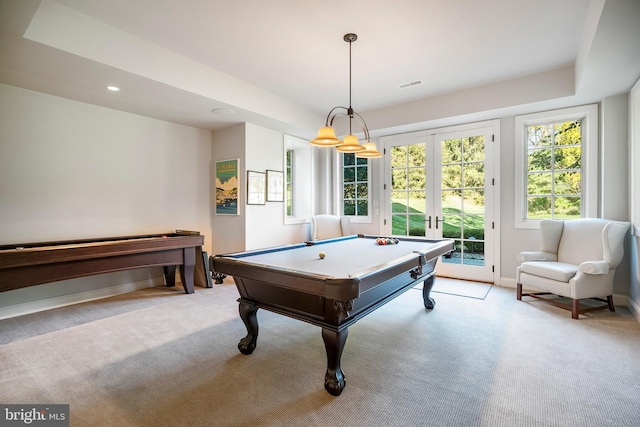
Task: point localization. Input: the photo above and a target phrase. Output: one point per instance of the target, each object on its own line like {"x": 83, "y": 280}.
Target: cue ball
{"x": 321, "y": 255}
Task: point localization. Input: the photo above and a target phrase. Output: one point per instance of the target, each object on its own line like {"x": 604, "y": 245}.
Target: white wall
{"x": 70, "y": 170}
{"x": 265, "y": 223}
{"x": 257, "y": 226}
{"x": 614, "y": 152}
{"x": 228, "y": 230}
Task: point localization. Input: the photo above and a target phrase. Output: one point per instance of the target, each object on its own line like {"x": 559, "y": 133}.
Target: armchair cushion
{"x": 560, "y": 271}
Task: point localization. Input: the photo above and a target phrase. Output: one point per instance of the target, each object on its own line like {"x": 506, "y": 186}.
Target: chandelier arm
{"x": 330, "y": 118}
{"x": 364, "y": 126}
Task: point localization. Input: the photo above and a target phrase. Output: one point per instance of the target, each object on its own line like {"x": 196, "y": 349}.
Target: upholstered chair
{"x": 577, "y": 260}
{"x": 329, "y": 226}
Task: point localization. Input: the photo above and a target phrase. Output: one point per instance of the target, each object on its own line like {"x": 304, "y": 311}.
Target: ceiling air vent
{"x": 417, "y": 82}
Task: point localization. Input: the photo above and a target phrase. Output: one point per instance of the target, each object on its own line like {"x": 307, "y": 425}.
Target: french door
{"x": 440, "y": 185}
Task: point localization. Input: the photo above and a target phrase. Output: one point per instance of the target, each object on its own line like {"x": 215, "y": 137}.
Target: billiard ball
{"x": 322, "y": 255}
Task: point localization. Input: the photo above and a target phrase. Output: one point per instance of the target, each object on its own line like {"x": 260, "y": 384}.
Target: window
{"x": 556, "y": 165}
{"x": 289, "y": 182}
{"x": 297, "y": 159}
{"x": 355, "y": 186}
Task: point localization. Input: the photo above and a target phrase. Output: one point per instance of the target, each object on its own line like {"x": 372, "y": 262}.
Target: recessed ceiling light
{"x": 223, "y": 111}
{"x": 113, "y": 88}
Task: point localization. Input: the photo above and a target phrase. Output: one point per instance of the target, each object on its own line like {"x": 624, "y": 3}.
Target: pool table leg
{"x": 334, "y": 380}
{"x": 250, "y": 319}
{"x": 429, "y": 302}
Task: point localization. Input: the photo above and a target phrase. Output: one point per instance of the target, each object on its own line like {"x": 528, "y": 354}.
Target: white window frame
{"x": 589, "y": 152}
{"x": 358, "y": 219}
{"x": 303, "y": 171}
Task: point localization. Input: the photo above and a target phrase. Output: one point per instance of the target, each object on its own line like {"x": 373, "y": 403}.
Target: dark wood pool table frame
{"x": 333, "y": 303}
{"x": 30, "y": 264}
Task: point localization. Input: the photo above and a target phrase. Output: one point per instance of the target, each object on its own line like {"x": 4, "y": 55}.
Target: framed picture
{"x": 256, "y": 184}
{"x": 227, "y": 185}
{"x": 275, "y": 186}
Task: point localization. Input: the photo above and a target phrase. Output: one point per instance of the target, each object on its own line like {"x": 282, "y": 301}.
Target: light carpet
{"x": 159, "y": 357}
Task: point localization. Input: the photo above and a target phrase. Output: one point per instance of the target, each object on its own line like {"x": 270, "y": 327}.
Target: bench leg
{"x": 575, "y": 307}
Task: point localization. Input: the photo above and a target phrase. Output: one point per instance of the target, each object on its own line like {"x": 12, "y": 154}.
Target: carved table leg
{"x": 429, "y": 302}
{"x": 334, "y": 379}
{"x": 250, "y": 319}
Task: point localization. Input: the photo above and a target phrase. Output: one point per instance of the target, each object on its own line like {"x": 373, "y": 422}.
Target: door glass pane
{"x": 473, "y": 201}
{"x": 451, "y": 151}
{"x": 399, "y": 225}
{"x": 455, "y": 257}
{"x": 417, "y": 179}
{"x": 473, "y": 253}
{"x": 416, "y": 225}
{"x": 416, "y": 201}
{"x": 452, "y": 176}
{"x": 474, "y": 227}
{"x": 398, "y": 202}
{"x": 452, "y": 227}
{"x": 416, "y": 155}
{"x": 474, "y": 175}
{"x": 451, "y": 202}
{"x": 399, "y": 179}
{"x": 473, "y": 149}
{"x": 399, "y": 156}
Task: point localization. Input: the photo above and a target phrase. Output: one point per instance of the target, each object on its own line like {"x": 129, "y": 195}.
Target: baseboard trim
{"x": 634, "y": 308}
{"x": 75, "y": 298}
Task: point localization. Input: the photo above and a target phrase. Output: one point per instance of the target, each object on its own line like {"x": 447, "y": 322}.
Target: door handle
{"x": 429, "y": 220}
{"x": 437, "y": 221}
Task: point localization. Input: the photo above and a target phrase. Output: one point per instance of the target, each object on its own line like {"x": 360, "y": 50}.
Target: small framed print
{"x": 275, "y": 186}
{"x": 255, "y": 188}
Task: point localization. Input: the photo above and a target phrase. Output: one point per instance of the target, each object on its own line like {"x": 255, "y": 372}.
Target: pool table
{"x": 355, "y": 276}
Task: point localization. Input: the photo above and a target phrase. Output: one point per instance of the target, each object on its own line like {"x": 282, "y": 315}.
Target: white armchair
{"x": 577, "y": 260}
{"x": 329, "y": 226}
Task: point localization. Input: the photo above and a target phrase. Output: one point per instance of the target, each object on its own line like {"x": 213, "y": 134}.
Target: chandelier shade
{"x": 327, "y": 135}
{"x": 350, "y": 145}
{"x": 326, "y": 138}
{"x": 369, "y": 152}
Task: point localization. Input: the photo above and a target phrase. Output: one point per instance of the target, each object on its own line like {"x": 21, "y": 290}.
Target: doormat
{"x": 461, "y": 288}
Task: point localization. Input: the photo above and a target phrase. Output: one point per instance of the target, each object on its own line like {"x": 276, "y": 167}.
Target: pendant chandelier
{"x": 327, "y": 135}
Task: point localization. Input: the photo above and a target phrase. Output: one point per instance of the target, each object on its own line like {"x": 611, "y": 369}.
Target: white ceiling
{"x": 283, "y": 63}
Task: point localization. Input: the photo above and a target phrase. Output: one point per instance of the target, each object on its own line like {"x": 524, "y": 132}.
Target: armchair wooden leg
{"x": 575, "y": 308}
{"x": 519, "y": 291}
{"x": 610, "y": 301}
